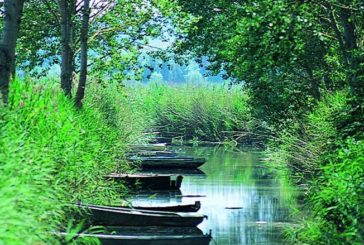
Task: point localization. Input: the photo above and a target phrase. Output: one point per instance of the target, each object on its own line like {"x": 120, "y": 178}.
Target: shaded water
{"x": 244, "y": 201}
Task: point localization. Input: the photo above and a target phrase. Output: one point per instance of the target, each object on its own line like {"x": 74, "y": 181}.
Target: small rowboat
{"x": 183, "y": 208}
{"x": 153, "y": 153}
{"x": 149, "y": 236}
{"x": 149, "y": 181}
{"x": 111, "y": 216}
{"x": 149, "y": 147}
{"x": 168, "y": 162}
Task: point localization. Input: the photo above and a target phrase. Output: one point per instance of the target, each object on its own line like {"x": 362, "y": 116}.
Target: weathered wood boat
{"x": 111, "y": 216}
{"x": 149, "y": 236}
{"x": 168, "y": 162}
{"x": 149, "y": 147}
{"x": 149, "y": 181}
{"x": 182, "y": 208}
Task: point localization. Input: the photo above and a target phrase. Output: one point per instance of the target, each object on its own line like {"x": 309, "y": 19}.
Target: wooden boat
{"x": 111, "y": 216}
{"x": 149, "y": 181}
{"x": 145, "y": 236}
{"x": 152, "y": 153}
{"x": 175, "y": 171}
{"x": 149, "y": 147}
{"x": 183, "y": 208}
{"x": 168, "y": 162}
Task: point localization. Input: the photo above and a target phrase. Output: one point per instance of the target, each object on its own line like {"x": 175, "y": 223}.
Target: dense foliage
{"x": 51, "y": 155}
{"x": 197, "y": 111}
{"x": 288, "y": 53}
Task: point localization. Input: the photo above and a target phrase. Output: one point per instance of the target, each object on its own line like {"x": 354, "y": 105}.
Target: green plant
{"x": 51, "y": 155}
{"x": 202, "y": 111}
{"x": 337, "y": 199}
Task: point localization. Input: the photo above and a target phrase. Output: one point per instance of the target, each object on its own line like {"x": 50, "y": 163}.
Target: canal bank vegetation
{"x": 53, "y": 154}
{"x": 328, "y": 167}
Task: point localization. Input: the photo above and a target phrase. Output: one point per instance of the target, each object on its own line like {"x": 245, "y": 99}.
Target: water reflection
{"x": 245, "y": 202}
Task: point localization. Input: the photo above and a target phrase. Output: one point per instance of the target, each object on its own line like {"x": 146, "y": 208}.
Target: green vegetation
{"x": 300, "y": 66}
{"x": 51, "y": 155}
{"x": 196, "y": 111}
{"x": 336, "y": 200}
{"x": 318, "y": 153}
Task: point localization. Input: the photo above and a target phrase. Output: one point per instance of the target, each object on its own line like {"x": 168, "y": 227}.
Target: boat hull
{"x": 149, "y": 147}
{"x": 172, "y": 208}
{"x": 151, "y": 182}
{"x": 110, "y": 216}
{"x": 168, "y": 162}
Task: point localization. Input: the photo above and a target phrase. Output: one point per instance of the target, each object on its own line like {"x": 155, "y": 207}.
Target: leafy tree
{"x": 287, "y": 53}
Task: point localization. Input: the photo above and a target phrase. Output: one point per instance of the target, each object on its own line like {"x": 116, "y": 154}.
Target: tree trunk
{"x": 13, "y": 12}
{"x": 83, "y": 38}
{"x": 350, "y": 43}
{"x": 66, "y": 12}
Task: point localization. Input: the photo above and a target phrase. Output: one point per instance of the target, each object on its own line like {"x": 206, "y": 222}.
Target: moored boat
{"x": 149, "y": 181}
{"x": 111, "y": 216}
{"x": 149, "y": 147}
{"x": 152, "y": 153}
{"x": 182, "y": 208}
{"x": 168, "y": 161}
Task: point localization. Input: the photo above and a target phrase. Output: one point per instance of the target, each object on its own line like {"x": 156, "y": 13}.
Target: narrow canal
{"x": 246, "y": 203}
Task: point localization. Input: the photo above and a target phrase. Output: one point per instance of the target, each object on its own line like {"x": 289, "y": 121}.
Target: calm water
{"x": 244, "y": 200}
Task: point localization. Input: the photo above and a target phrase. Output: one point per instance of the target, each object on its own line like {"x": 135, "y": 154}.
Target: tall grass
{"x": 51, "y": 154}
{"x": 332, "y": 165}
{"x": 336, "y": 200}
{"x": 304, "y": 145}
{"x": 195, "y": 111}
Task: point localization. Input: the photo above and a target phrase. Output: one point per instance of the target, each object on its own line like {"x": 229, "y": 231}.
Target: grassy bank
{"x": 325, "y": 152}
{"x": 196, "y": 111}
{"x": 52, "y": 154}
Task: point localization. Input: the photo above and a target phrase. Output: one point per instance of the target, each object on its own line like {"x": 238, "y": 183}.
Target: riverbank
{"x": 324, "y": 153}
{"x": 53, "y": 154}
